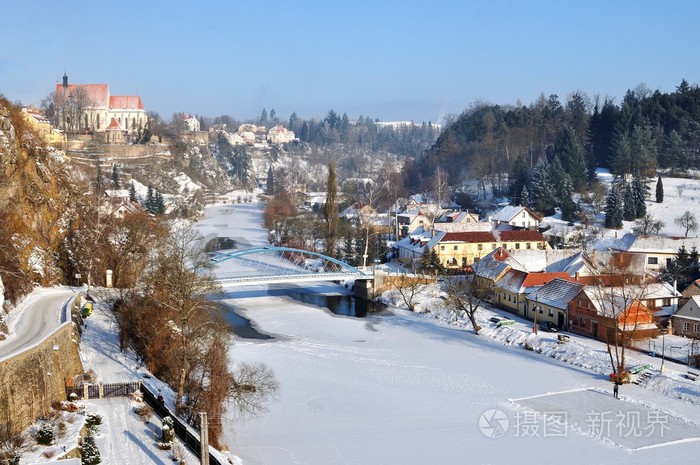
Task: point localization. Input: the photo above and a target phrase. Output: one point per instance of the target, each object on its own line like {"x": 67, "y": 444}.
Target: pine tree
{"x": 542, "y": 193}
{"x": 525, "y": 197}
{"x": 639, "y": 191}
{"x": 613, "y": 208}
{"x": 629, "y": 210}
{"x": 132, "y": 192}
{"x": 150, "y": 200}
{"x": 99, "y": 180}
{"x": 115, "y": 177}
{"x": 659, "y": 191}
{"x": 568, "y": 206}
{"x": 159, "y": 204}
{"x": 270, "y": 182}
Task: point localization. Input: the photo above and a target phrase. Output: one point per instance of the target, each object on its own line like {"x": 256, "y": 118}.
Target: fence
{"x": 99, "y": 391}
{"x": 190, "y": 439}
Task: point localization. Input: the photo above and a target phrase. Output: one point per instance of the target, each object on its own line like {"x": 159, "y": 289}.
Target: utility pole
{"x": 203, "y": 439}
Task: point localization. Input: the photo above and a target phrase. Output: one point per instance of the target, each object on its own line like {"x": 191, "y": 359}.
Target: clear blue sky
{"x": 392, "y": 60}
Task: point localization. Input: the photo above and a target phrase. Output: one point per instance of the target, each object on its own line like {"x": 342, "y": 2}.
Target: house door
{"x": 561, "y": 321}
{"x": 594, "y": 328}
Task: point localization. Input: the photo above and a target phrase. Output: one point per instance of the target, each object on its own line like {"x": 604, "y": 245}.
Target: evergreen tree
{"x": 639, "y": 191}
{"x": 159, "y": 204}
{"x": 270, "y": 182}
{"x": 613, "y": 208}
{"x": 621, "y": 162}
{"x": 570, "y": 153}
{"x": 132, "y": 192}
{"x": 89, "y": 452}
{"x": 150, "y": 200}
{"x": 525, "y": 197}
{"x": 273, "y": 116}
{"x": 569, "y": 209}
{"x": 330, "y": 210}
{"x": 542, "y": 191}
{"x": 659, "y": 191}
{"x": 99, "y": 179}
{"x": 263, "y": 117}
{"x": 629, "y": 210}
{"x": 115, "y": 177}
{"x": 518, "y": 178}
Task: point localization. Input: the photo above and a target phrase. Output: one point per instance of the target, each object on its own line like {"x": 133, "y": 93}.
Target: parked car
{"x": 549, "y": 327}
{"x": 496, "y": 319}
{"x": 505, "y": 322}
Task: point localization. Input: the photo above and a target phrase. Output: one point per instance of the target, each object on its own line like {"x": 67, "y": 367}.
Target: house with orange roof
{"x": 601, "y": 311}
{"x": 512, "y": 289}
{"x": 90, "y": 108}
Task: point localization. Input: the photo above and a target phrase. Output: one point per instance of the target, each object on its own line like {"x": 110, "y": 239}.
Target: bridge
{"x": 269, "y": 265}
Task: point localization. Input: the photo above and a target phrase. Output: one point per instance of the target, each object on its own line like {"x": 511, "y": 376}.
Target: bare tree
{"x": 687, "y": 221}
{"x": 647, "y": 225}
{"x": 680, "y": 188}
{"x": 253, "y": 385}
{"x": 409, "y": 286}
{"x": 618, "y": 297}
{"x": 182, "y": 283}
{"x": 465, "y": 297}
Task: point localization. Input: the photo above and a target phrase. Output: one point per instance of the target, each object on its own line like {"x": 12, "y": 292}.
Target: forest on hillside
{"x": 513, "y": 148}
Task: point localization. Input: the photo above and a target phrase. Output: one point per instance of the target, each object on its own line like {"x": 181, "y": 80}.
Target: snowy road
{"x": 40, "y": 316}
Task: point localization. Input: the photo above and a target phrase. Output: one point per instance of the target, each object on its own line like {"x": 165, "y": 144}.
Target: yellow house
{"x": 42, "y": 126}
{"x": 459, "y": 250}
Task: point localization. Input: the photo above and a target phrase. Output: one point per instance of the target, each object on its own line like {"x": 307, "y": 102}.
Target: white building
{"x": 91, "y": 107}
{"x": 189, "y": 122}
{"x": 280, "y": 135}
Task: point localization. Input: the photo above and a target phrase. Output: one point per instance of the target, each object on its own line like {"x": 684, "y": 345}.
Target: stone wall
{"x": 32, "y": 380}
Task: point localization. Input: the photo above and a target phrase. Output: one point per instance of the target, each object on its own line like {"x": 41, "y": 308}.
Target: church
{"x": 90, "y": 108}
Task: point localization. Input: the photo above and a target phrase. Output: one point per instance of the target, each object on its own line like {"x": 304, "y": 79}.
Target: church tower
{"x": 65, "y": 80}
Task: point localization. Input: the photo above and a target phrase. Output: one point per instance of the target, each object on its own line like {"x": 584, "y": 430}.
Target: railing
{"x": 100, "y": 391}
{"x": 188, "y": 437}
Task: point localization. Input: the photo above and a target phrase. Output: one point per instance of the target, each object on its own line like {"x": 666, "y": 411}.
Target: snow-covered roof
{"x": 656, "y": 244}
{"x": 556, "y": 293}
{"x": 507, "y": 213}
{"x": 691, "y": 309}
{"x": 420, "y": 239}
{"x": 547, "y": 260}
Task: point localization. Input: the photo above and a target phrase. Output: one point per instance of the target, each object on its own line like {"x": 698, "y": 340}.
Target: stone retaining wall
{"x": 32, "y": 380}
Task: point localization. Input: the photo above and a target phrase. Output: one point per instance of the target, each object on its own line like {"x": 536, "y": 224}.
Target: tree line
{"x": 503, "y": 144}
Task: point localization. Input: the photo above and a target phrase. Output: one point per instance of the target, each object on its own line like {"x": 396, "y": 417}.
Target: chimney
{"x": 576, "y": 276}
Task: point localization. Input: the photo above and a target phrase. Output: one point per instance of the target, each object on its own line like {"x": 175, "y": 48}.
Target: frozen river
{"x": 407, "y": 389}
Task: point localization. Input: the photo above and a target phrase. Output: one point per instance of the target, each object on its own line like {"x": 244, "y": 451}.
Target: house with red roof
{"x": 459, "y": 250}
{"x": 91, "y": 108}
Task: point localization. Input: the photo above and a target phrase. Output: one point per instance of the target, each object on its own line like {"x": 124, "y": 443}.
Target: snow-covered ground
{"x": 411, "y": 388}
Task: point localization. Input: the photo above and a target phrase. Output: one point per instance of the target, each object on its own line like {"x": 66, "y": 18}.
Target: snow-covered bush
{"x": 44, "y": 435}
{"x": 89, "y": 453}
{"x": 73, "y": 397}
{"x": 167, "y": 431}
{"x": 92, "y": 421}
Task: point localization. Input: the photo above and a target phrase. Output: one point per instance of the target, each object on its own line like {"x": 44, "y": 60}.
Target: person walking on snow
{"x": 616, "y": 388}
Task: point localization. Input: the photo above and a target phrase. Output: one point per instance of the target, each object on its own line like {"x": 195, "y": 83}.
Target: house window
{"x": 442, "y": 248}
{"x": 686, "y": 326}
{"x": 523, "y": 214}
{"x": 517, "y": 246}
{"x": 493, "y": 246}
{"x": 551, "y": 313}
{"x": 464, "y": 262}
{"x": 508, "y": 297}
{"x": 528, "y": 246}
{"x": 696, "y": 327}
{"x": 541, "y": 311}
{"x": 653, "y": 260}
{"x": 455, "y": 247}
{"x": 668, "y": 262}
{"x": 480, "y": 247}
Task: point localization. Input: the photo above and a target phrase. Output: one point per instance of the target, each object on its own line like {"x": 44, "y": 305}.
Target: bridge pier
{"x": 364, "y": 289}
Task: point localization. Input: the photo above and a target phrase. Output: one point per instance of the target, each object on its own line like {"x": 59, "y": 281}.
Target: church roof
{"x": 125, "y": 102}
{"x": 98, "y": 94}
{"x": 114, "y": 126}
